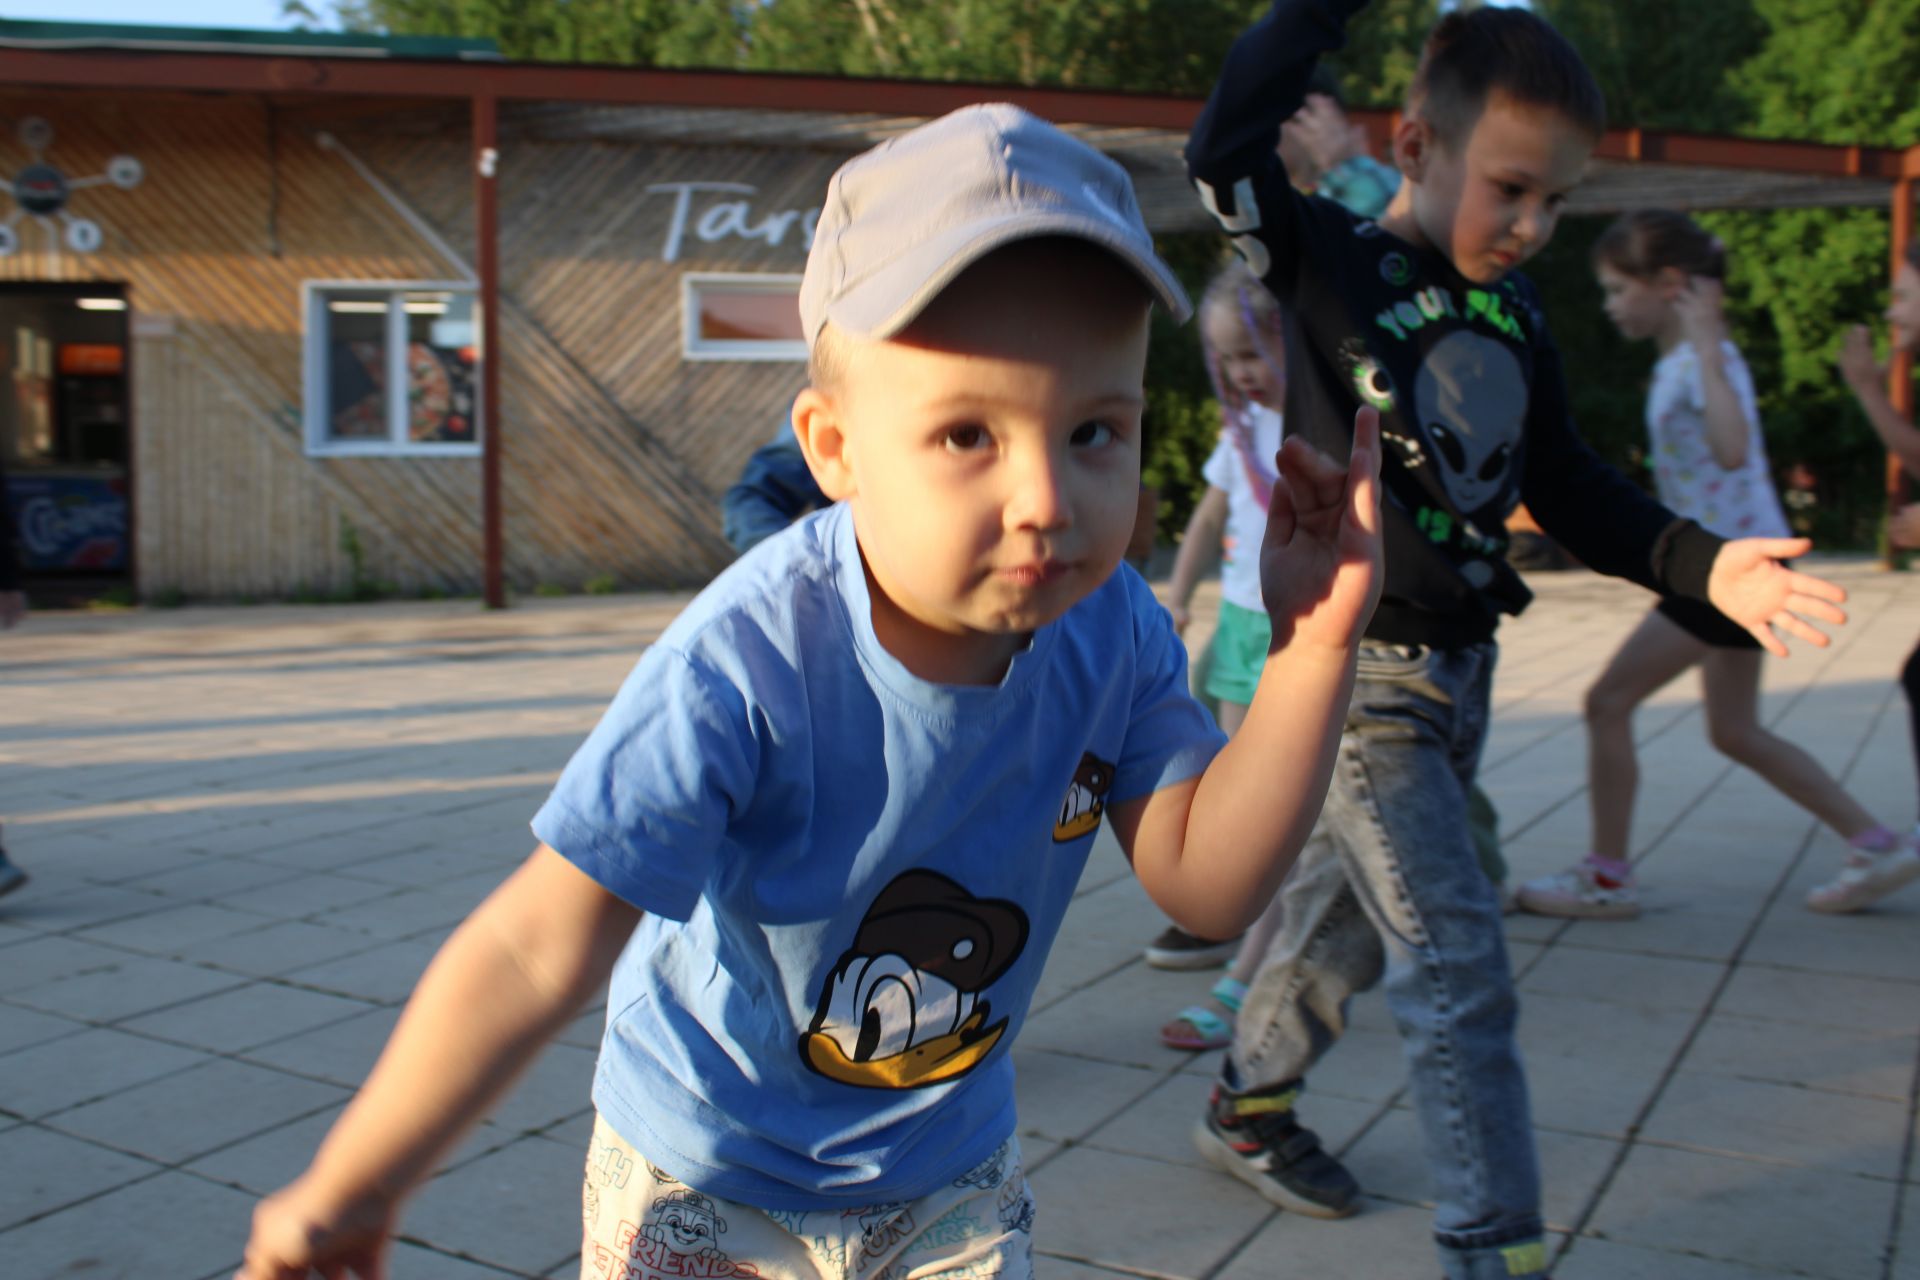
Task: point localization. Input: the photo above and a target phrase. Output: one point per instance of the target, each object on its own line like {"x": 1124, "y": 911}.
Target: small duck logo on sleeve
{"x": 1086, "y": 799}
{"x": 903, "y": 1008}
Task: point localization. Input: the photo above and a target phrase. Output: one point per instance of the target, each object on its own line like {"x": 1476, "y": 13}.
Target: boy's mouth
{"x": 1034, "y": 573}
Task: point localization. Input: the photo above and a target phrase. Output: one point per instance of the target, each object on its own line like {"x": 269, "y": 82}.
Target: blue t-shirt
{"x": 852, "y": 876}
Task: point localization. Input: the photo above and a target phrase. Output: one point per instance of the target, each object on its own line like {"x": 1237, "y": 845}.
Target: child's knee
{"x": 1607, "y": 702}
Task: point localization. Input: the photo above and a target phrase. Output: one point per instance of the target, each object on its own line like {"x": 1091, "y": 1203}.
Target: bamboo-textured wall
{"x": 581, "y": 244}
{"x": 614, "y": 449}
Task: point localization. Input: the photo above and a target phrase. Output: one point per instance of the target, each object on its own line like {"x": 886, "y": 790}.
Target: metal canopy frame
{"x": 484, "y": 86}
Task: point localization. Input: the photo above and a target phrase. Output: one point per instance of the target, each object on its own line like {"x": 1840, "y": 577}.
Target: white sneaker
{"x": 1576, "y": 895}
{"x": 1867, "y": 878}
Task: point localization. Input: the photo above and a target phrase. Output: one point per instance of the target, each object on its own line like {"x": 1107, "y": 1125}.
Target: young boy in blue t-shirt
{"x": 824, "y": 837}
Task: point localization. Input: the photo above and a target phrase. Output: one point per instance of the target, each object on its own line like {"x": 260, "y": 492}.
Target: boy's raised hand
{"x": 1750, "y": 585}
{"x": 1320, "y": 565}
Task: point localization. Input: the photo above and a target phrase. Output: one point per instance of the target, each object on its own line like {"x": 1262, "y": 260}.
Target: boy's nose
{"x": 1039, "y": 499}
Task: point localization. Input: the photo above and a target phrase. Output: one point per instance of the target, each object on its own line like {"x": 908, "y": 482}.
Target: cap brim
{"x": 887, "y": 301}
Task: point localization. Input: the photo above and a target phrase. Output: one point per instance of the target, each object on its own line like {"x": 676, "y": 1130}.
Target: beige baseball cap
{"x": 903, "y": 220}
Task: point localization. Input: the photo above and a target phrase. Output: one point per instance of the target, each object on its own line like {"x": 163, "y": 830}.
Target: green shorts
{"x": 1240, "y": 645}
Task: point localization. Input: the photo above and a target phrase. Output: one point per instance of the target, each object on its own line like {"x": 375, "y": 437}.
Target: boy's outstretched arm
{"x": 1212, "y": 851}
{"x": 505, "y": 983}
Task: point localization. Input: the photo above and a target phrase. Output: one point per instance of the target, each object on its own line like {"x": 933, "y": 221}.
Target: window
{"x": 365, "y": 339}
{"x": 741, "y": 317}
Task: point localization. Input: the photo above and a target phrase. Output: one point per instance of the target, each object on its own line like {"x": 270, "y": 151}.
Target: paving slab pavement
{"x": 248, "y": 829}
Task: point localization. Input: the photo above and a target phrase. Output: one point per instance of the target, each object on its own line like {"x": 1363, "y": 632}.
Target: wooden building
{"x": 243, "y": 274}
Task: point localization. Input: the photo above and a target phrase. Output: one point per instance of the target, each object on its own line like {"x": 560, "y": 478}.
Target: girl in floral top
{"x": 1662, "y": 275}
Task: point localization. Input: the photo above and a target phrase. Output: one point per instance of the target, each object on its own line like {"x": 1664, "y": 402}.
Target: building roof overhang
{"x": 1632, "y": 167}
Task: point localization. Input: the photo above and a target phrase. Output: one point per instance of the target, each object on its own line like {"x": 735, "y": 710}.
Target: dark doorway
{"x": 66, "y": 442}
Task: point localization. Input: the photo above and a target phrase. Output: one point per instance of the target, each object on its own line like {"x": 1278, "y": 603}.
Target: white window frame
{"x": 693, "y": 347}
{"x": 314, "y": 295}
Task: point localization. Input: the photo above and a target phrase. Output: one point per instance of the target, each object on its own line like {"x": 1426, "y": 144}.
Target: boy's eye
{"x": 1512, "y": 190}
{"x": 1092, "y": 434}
{"x": 965, "y": 439}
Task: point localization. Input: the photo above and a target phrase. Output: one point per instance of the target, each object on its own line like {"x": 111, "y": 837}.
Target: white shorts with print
{"x": 640, "y": 1224}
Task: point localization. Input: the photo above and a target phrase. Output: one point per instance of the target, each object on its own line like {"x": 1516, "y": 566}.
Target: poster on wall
{"x": 69, "y": 522}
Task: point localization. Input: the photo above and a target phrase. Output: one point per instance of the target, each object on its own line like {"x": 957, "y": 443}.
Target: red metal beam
{"x": 486, "y": 163}
{"x": 1900, "y": 368}
{"x": 548, "y": 82}
{"x": 430, "y": 79}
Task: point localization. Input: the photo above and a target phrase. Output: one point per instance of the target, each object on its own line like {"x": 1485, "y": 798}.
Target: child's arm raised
{"x": 504, "y": 984}
{"x": 1231, "y": 153}
{"x": 1199, "y": 549}
{"x": 1867, "y": 379}
{"x": 1212, "y": 851}
{"x": 1729, "y": 431}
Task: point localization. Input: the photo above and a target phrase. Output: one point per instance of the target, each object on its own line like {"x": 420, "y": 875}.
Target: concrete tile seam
{"x": 1631, "y": 1138}
{"x": 156, "y": 1172}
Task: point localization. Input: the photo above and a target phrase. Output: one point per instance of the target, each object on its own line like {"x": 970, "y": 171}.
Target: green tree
{"x": 1823, "y": 70}
{"x": 1838, "y": 71}
{"x": 1661, "y": 64}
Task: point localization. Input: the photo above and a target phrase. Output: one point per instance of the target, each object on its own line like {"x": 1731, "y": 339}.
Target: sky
{"x": 186, "y": 13}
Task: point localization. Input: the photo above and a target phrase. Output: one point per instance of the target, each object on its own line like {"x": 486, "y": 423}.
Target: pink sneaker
{"x": 1866, "y": 878}
{"x": 1577, "y": 894}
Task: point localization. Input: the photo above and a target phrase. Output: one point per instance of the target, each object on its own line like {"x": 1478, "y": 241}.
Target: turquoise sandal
{"x": 1197, "y": 1027}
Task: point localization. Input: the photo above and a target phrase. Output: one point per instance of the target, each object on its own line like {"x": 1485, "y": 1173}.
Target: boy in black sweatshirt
{"x": 1420, "y": 314}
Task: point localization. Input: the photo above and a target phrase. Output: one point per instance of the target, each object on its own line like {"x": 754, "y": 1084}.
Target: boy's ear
{"x": 1670, "y": 282}
{"x": 818, "y": 427}
{"x": 1413, "y": 144}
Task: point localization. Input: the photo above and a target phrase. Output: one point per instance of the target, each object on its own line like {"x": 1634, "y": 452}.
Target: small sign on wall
{"x": 42, "y": 191}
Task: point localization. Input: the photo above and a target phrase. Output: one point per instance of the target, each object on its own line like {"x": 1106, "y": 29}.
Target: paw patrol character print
{"x": 1471, "y": 401}
{"x": 688, "y": 1225}
{"x": 1086, "y": 799}
{"x": 986, "y": 1175}
{"x": 1016, "y": 1206}
{"x": 903, "y": 1007}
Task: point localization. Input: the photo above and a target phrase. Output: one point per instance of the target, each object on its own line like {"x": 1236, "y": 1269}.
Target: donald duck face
{"x": 903, "y": 1007}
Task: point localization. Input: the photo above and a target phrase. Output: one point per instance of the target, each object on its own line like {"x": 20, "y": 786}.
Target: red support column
{"x": 1900, "y": 368}
{"x": 486, "y": 160}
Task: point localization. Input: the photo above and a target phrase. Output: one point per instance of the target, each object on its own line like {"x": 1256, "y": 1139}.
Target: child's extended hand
{"x": 1700, "y": 308}
{"x": 1857, "y": 364}
{"x": 1320, "y": 565}
{"x": 1750, "y": 585}
{"x": 297, "y": 1231}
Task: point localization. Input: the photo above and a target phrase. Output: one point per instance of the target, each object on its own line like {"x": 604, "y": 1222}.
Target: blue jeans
{"x": 1389, "y": 884}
